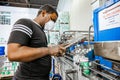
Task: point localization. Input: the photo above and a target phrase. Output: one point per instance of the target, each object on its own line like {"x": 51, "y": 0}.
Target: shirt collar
{"x": 38, "y": 24}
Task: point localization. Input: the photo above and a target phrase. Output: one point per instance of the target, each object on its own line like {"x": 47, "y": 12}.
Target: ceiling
{"x": 28, "y": 3}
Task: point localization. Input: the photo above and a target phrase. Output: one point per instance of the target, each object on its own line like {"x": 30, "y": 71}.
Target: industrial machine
{"x": 94, "y": 59}
{"x": 74, "y": 64}
{"x": 107, "y": 39}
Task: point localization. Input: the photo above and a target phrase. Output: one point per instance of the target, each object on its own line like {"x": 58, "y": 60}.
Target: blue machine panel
{"x": 107, "y": 22}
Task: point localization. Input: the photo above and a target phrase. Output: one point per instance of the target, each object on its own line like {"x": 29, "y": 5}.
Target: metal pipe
{"x": 53, "y": 30}
{"x": 89, "y": 35}
{"x": 103, "y": 74}
{"x": 94, "y": 2}
{"x": 65, "y": 61}
{"x": 68, "y": 77}
{"x": 28, "y": 3}
{"x": 69, "y": 58}
{"x": 74, "y": 31}
{"x": 71, "y": 71}
{"x": 103, "y": 66}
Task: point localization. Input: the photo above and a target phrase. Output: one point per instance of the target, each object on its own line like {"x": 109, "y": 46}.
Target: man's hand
{"x": 58, "y": 50}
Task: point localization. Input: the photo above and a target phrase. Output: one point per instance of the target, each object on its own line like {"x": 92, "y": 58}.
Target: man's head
{"x": 45, "y": 14}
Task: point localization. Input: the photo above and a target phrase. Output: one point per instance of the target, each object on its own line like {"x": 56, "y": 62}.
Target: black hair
{"x": 48, "y": 8}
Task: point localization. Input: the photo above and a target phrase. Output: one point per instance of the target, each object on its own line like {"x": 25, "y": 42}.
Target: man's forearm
{"x": 26, "y": 54}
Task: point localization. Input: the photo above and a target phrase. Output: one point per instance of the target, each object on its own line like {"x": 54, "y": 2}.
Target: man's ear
{"x": 43, "y": 13}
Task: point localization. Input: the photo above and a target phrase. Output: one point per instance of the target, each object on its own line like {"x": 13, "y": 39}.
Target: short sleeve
{"x": 21, "y": 34}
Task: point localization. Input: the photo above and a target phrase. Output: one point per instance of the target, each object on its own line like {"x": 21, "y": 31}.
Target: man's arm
{"x": 16, "y": 52}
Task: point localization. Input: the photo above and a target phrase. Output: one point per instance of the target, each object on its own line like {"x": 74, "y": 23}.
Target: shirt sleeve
{"x": 20, "y": 34}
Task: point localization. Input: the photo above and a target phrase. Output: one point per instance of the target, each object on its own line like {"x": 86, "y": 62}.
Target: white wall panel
{"x": 81, "y": 15}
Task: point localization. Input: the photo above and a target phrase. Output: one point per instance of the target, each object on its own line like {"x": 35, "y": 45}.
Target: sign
{"x": 110, "y": 17}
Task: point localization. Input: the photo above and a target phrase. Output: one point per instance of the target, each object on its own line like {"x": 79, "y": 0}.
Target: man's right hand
{"x": 58, "y": 50}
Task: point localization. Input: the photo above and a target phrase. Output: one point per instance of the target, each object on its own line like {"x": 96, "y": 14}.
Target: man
{"x": 28, "y": 45}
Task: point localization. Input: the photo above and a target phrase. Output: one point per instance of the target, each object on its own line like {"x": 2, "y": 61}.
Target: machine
{"x": 94, "y": 59}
